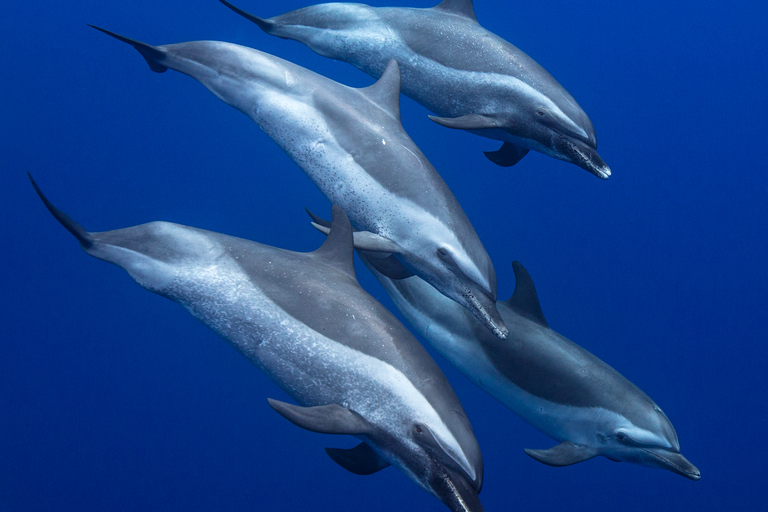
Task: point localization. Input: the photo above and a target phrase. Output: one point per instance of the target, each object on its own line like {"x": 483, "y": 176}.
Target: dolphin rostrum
{"x": 351, "y": 144}
{"x": 304, "y": 320}
{"x": 552, "y": 383}
{"x": 470, "y": 77}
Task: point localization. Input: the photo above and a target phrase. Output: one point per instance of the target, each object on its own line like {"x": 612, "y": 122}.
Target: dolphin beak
{"x": 674, "y": 462}
{"x": 458, "y": 493}
{"x": 484, "y": 309}
{"x": 584, "y": 155}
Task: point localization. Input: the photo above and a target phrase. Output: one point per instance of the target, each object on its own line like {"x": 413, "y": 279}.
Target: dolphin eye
{"x": 622, "y": 437}
{"x": 442, "y": 252}
{"x": 541, "y": 112}
{"x": 418, "y": 429}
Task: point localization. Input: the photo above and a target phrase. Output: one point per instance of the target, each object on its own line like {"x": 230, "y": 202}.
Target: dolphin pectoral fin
{"x": 564, "y": 454}
{"x": 508, "y": 155}
{"x": 388, "y": 265}
{"x": 150, "y": 53}
{"x": 323, "y": 419}
{"x": 360, "y": 460}
{"x": 524, "y": 300}
{"x": 366, "y": 240}
{"x": 265, "y": 25}
{"x": 468, "y": 122}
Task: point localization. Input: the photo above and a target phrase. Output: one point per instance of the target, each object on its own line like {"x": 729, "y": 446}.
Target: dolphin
{"x": 351, "y": 144}
{"x": 470, "y": 77}
{"x": 552, "y": 383}
{"x": 304, "y": 320}
{"x": 549, "y": 381}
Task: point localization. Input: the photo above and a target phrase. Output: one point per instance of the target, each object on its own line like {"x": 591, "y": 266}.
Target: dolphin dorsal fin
{"x": 459, "y": 7}
{"x": 524, "y": 300}
{"x": 386, "y": 91}
{"x": 338, "y": 249}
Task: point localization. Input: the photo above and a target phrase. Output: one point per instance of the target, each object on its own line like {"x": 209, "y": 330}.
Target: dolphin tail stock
{"x": 85, "y": 238}
{"x": 263, "y": 24}
{"x": 152, "y": 54}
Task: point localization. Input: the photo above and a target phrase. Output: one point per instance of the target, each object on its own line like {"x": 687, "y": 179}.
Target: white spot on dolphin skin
{"x": 383, "y": 142}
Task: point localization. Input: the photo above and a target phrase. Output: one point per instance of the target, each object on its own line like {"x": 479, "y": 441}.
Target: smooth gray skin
{"x": 550, "y": 382}
{"x": 462, "y": 72}
{"x": 351, "y": 144}
{"x": 304, "y": 320}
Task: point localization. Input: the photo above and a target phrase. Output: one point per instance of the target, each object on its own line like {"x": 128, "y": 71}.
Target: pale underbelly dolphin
{"x": 469, "y": 76}
{"x": 351, "y": 144}
{"x": 550, "y": 382}
{"x": 304, "y": 320}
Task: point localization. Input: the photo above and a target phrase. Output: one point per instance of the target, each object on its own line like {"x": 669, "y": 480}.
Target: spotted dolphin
{"x": 351, "y": 143}
{"x": 470, "y": 77}
{"x": 552, "y": 383}
{"x": 304, "y": 320}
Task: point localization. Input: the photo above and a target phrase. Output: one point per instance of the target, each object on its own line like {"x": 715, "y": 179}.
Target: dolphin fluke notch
{"x": 525, "y": 300}
{"x": 507, "y": 155}
{"x": 151, "y": 54}
{"x": 265, "y": 25}
{"x": 84, "y": 237}
{"x": 564, "y": 454}
{"x": 360, "y": 460}
{"x": 323, "y": 419}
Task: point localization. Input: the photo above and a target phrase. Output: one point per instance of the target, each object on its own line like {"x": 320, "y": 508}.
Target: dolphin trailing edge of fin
{"x": 263, "y": 24}
{"x": 151, "y": 54}
{"x": 83, "y": 236}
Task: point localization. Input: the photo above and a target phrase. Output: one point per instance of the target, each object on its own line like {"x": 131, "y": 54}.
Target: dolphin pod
{"x": 304, "y": 320}
{"x": 470, "y": 77}
{"x": 351, "y": 144}
{"x": 552, "y": 383}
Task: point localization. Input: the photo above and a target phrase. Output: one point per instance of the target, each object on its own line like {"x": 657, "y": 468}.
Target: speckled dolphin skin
{"x": 550, "y": 382}
{"x": 351, "y": 143}
{"x": 304, "y": 320}
{"x": 470, "y": 77}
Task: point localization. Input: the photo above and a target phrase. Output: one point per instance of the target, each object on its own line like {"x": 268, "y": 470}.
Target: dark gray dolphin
{"x": 304, "y": 320}
{"x": 450, "y": 64}
{"x": 550, "y": 382}
{"x": 351, "y": 144}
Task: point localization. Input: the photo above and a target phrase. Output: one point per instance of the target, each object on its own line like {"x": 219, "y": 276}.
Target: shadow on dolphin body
{"x": 304, "y": 320}
{"x": 470, "y": 77}
{"x": 351, "y": 144}
{"x": 552, "y": 383}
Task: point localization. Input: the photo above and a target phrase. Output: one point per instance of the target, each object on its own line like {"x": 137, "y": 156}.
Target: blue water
{"x": 116, "y": 399}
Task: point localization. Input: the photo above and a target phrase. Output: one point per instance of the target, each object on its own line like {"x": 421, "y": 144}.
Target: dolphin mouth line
{"x": 489, "y": 321}
{"x": 688, "y": 474}
{"x": 584, "y": 160}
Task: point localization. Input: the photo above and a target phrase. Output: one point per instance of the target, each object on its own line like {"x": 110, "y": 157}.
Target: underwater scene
{"x": 514, "y": 250}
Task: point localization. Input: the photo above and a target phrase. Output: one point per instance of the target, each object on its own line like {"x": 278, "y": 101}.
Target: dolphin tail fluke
{"x": 265, "y": 25}
{"x": 84, "y": 237}
{"x": 360, "y": 460}
{"x": 151, "y": 54}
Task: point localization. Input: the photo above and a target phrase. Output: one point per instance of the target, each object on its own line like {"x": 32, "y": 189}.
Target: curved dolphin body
{"x": 550, "y": 382}
{"x": 304, "y": 320}
{"x": 469, "y": 76}
{"x": 351, "y": 144}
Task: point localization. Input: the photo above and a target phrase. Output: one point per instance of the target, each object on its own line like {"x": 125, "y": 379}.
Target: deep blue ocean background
{"x": 116, "y": 399}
